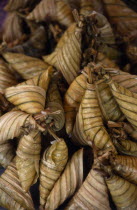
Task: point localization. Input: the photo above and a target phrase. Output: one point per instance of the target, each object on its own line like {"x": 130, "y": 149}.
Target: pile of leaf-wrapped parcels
{"x": 62, "y": 94}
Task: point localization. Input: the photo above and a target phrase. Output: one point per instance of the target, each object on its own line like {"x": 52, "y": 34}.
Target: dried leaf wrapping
{"x": 53, "y": 93}
{"x": 126, "y": 80}
{"x": 93, "y": 194}
{"x": 75, "y": 92}
{"x": 52, "y": 164}
{"x": 122, "y": 192}
{"x": 54, "y": 104}
{"x": 67, "y": 55}
{"x": 18, "y": 4}
{"x": 101, "y": 59}
{"x": 27, "y": 159}
{"x": 125, "y": 166}
{"x": 26, "y": 66}
{"x": 35, "y": 46}
{"x": 127, "y": 101}
{"x": 6, "y": 77}
{"x": 70, "y": 116}
{"x": 52, "y": 58}
{"x": 64, "y": 13}
{"x": 72, "y": 99}
{"x": 68, "y": 183}
{"x": 86, "y": 7}
{"x": 121, "y": 16}
{"x": 130, "y": 130}
{"x": 106, "y": 32}
{"x": 96, "y": 5}
{"x": 12, "y": 122}
{"x": 42, "y": 80}
{"x": 126, "y": 147}
{"x": 12, "y": 30}
{"x": 54, "y": 10}
{"x": 78, "y": 134}
{"x": 45, "y": 9}
{"x": 7, "y": 153}
{"x": 89, "y": 124}
{"x": 106, "y": 38}
{"x": 108, "y": 104}
{"x": 12, "y": 194}
{"x": 28, "y": 98}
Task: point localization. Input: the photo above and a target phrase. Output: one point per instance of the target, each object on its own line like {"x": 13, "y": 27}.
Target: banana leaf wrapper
{"x": 126, "y": 147}
{"x": 53, "y": 10}
{"x": 12, "y": 194}
{"x": 108, "y": 104}
{"x": 54, "y": 104}
{"x": 7, "y": 79}
{"x": 70, "y": 117}
{"x": 68, "y": 183}
{"x": 75, "y": 92}
{"x": 13, "y": 29}
{"x": 28, "y": 98}
{"x": 26, "y": 66}
{"x": 42, "y": 80}
{"x": 122, "y": 192}
{"x": 121, "y": 16}
{"x": 27, "y": 159}
{"x": 72, "y": 100}
{"x": 93, "y": 194}
{"x": 89, "y": 126}
{"x": 67, "y": 55}
{"x": 52, "y": 164}
{"x": 7, "y": 153}
{"x": 34, "y": 46}
{"x": 14, "y": 123}
{"x": 126, "y": 100}
{"x": 106, "y": 37}
{"x": 125, "y": 166}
